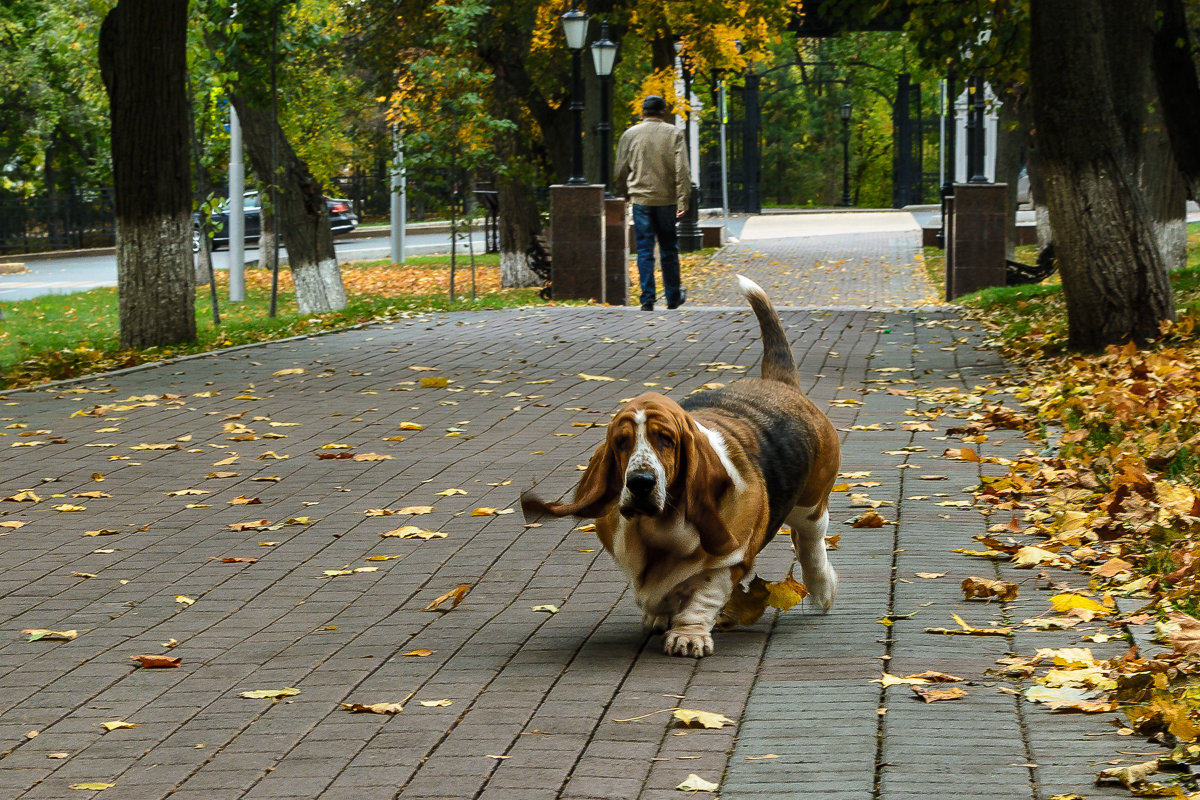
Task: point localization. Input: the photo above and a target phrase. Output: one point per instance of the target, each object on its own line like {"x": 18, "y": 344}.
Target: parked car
{"x": 341, "y": 220}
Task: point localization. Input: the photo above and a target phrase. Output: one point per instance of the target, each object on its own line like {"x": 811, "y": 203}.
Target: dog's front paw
{"x": 689, "y": 640}
{"x": 822, "y": 587}
{"x": 655, "y": 623}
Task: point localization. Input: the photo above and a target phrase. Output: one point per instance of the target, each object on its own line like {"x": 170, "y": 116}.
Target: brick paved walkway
{"x": 532, "y": 704}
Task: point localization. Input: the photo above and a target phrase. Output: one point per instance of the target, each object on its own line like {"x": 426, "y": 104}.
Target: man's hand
{"x": 680, "y": 212}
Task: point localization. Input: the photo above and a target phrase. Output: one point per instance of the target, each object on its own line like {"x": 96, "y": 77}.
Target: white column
{"x": 237, "y": 211}
{"x": 399, "y": 215}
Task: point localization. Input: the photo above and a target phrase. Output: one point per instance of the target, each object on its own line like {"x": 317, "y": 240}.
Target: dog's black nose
{"x": 641, "y": 482}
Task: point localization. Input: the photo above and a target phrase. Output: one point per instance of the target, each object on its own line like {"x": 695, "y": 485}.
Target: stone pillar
{"x": 616, "y": 253}
{"x": 979, "y": 227}
{"x": 577, "y": 241}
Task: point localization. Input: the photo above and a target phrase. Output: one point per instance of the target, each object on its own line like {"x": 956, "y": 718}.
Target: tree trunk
{"x": 303, "y": 215}
{"x": 266, "y": 236}
{"x": 519, "y": 223}
{"x": 143, "y": 61}
{"x": 1178, "y": 89}
{"x": 1129, "y": 43}
{"x": 1113, "y": 274}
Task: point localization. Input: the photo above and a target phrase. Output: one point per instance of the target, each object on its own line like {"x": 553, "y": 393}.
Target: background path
{"x": 522, "y": 703}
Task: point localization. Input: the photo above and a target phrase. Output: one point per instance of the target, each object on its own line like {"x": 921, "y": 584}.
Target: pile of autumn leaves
{"x": 1119, "y": 500}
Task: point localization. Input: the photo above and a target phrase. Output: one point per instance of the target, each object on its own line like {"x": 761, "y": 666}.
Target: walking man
{"x": 652, "y": 172}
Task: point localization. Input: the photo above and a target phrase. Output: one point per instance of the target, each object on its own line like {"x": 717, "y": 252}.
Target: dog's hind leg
{"x": 808, "y": 540}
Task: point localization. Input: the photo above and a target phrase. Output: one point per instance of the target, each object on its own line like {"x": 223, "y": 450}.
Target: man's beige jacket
{"x": 652, "y": 167}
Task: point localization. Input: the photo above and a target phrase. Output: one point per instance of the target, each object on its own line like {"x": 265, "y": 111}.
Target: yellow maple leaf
{"x": 786, "y": 593}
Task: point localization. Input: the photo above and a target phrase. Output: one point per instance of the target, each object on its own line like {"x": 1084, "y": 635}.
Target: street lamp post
{"x": 575, "y": 23}
{"x": 689, "y": 234}
{"x": 845, "y": 113}
{"x": 604, "y": 56}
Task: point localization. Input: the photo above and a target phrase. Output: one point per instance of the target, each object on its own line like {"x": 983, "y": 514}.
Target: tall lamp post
{"x": 575, "y": 23}
{"x": 845, "y": 113}
{"x": 604, "y": 56}
{"x": 690, "y": 236}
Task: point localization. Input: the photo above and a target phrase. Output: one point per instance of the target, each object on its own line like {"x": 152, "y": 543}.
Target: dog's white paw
{"x": 822, "y": 587}
{"x": 689, "y": 640}
{"x": 655, "y": 622}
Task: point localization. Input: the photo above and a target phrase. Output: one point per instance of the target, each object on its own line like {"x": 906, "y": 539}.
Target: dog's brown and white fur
{"x": 686, "y": 495}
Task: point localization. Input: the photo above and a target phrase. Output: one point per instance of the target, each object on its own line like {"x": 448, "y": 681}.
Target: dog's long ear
{"x": 706, "y": 482}
{"x": 597, "y": 489}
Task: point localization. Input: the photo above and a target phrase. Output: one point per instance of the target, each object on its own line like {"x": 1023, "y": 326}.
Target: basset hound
{"x": 685, "y": 495}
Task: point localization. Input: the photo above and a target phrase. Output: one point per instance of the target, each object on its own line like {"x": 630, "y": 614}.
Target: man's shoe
{"x": 647, "y": 306}
{"x": 678, "y": 303}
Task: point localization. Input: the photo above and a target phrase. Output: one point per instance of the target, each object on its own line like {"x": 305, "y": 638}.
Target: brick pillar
{"x": 978, "y": 238}
{"x": 577, "y": 241}
{"x": 948, "y": 246}
{"x": 616, "y": 253}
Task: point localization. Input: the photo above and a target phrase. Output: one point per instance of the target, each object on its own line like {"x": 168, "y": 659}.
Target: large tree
{"x": 143, "y": 60}
{"x": 254, "y": 38}
{"x": 1113, "y": 273}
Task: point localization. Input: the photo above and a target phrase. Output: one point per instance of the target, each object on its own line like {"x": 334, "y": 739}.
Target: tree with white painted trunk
{"x": 1113, "y": 271}
{"x": 303, "y": 215}
{"x": 143, "y": 60}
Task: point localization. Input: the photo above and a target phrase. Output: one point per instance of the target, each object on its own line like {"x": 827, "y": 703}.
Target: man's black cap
{"x": 654, "y": 106}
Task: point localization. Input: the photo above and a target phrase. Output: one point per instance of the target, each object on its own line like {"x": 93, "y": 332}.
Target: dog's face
{"x": 654, "y": 462}
{"x": 646, "y": 439}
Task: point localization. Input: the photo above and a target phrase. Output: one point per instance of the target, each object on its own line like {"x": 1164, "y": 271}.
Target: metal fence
{"x": 84, "y": 219}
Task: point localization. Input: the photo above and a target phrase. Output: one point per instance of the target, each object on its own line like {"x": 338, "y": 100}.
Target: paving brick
{"x": 544, "y": 690}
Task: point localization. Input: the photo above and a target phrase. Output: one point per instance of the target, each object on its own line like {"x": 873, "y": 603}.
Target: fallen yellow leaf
{"x": 691, "y": 718}
{"x": 41, "y": 633}
{"x": 271, "y": 694}
{"x": 695, "y": 783}
{"x": 456, "y": 594}
{"x": 114, "y": 724}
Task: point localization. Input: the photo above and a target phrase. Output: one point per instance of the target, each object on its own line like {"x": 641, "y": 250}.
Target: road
{"x": 79, "y": 273}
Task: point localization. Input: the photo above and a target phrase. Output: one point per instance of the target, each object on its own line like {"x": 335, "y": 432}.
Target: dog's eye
{"x": 665, "y": 440}
{"x": 621, "y": 442}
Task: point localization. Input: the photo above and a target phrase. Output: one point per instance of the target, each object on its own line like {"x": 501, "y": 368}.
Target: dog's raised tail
{"x": 778, "y": 363}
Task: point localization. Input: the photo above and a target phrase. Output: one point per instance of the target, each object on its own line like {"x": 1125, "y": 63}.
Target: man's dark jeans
{"x": 650, "y": 223}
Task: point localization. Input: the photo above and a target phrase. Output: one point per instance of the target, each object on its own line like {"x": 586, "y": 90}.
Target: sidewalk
{"x": 522, "y": 703}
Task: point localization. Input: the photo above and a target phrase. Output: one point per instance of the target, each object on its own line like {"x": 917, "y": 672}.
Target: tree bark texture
{"x": 303, "y": 215}
{"x": 1178, "y": 89}
{"x": 143, "y": 61}
{"x": 1129, "y": 43}
{"x": 1113, "y": 273}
